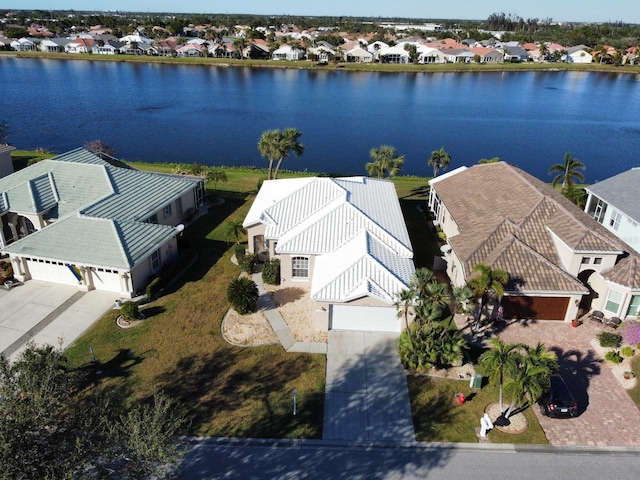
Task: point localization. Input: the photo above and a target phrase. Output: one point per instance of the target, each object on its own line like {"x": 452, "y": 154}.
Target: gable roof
{"x": 353, "y": 225}
{"x": 513, "y": 226}
{"x": 621, "y": 192}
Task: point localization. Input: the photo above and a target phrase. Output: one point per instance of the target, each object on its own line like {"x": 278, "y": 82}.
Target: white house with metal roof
{"x": 78, "y": 220}
{"x": 344, "y": 239}
{"x": 615, "y": 204}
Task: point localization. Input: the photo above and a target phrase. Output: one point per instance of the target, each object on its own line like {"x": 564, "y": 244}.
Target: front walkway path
{"x": 366, "y": 394}
{"x": 280, "y": 327}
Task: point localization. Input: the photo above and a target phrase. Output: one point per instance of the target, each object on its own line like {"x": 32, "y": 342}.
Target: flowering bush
{"x": 631, "y": 332}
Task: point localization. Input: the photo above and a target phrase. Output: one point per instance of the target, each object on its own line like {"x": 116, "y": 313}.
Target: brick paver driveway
{"x": 608, "y": 416}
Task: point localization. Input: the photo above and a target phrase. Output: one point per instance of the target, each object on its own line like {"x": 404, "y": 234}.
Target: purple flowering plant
{"x": 630, "y": 331}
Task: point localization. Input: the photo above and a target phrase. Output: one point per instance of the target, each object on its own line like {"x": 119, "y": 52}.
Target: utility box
{"x": 476, "y": 381}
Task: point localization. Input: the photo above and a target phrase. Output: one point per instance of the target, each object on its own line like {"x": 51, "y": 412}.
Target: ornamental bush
{"x": 627, "y": 351}
{"x": 422, "y": 347}
{"x": 613, "y": 356}
{"x": 630, "y": 331}
{"x": 271, "y": 272}
{"x": 129, "y": 311}
{"x": 242, "y": 295}
{"x": 248, "y": 262}
{"x": 240, "y": 251}
{"x": 608, "y": 339}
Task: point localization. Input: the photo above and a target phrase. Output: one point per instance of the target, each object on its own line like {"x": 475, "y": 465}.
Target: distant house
{"x": 615, "y": 204}
{"x": 395, "y": 54}
{"x": 358, "y": 55}
{"x": 457, "y": 55}
{"x": 25, "y": 44}
{"x": 80, "y": 45}
{"x": 287, "y": 52}
{"x": 515, "y": 54}
{"x": 488, "y": 55}
{"x": 110, "y": 47}
{"x": 53, "y": 45}
{"x": 190, "y": 50}
{"x": 578, "y": 55}
{"x": 558, "y": 258}
{"x": 78, "y": 220}
{"x": 344, "y": 239}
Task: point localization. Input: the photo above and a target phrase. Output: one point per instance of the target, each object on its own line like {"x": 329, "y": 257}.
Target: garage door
{"x": 372, "y": 319}
{"x": 49, "y": 271}
{"x": 535, "y": 308}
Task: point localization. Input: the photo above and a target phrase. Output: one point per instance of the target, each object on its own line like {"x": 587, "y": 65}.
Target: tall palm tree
{"x": 277, "y": 145}
{"x": 405, "y": 299}
{"x": 385, "y": 163}
{"x": 489, "y": 282}
{"x": 239, "y": 44}
{"x": 439, "y": 159}
{"x": 567, "y": 171}
{"x": 502, "y": 359}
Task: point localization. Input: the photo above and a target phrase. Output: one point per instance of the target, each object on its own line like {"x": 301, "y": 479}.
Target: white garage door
{"x": 372, "y": 319}
{"x": 49, "y": 271}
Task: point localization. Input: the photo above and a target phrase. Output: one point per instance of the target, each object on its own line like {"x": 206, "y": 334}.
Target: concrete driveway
{"x": 48, "y": 313}
{"x": 366, "y": 396}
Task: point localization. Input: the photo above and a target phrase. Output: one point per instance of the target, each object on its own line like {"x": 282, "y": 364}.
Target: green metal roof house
{"x": 78, "y": 220}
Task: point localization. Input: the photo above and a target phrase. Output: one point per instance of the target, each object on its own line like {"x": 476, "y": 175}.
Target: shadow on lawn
{"x": 246, "y": 395}
{"x": 120, "y": 366}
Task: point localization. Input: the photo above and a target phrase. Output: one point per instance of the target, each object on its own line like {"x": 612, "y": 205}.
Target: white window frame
{"x": 156, "y": 260}
{"x": 166, "y": 211}
{"x": 613, "y": 301}
{"x": 300, "y": 267}
{"x": 615, "y": 220}
{"x": 634, "y": 309}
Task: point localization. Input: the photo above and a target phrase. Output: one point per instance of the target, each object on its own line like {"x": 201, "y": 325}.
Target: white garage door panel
{"x": 372, "y": 319}
{"x": 51, "y": 272}
{"x": 109, "y": 281}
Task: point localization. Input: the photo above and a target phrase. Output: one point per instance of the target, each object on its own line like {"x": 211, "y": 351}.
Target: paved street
{"x": 366, "y": 395}
{"x": 273, "y": 459}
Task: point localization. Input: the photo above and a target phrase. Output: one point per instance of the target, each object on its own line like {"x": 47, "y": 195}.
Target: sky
{"x": 627, "y": 11}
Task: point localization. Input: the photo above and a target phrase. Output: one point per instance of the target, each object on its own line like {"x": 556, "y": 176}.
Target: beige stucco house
{"x": 343, "y": 239}
{"x": 559, "y": 259}
{"x": 77, "y": 220}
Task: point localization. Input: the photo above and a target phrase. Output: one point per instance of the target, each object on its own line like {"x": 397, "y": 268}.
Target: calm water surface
{"x": 215, "y": 115}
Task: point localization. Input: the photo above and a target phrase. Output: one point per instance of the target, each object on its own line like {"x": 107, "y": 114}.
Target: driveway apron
{"x": 366, "y": 397}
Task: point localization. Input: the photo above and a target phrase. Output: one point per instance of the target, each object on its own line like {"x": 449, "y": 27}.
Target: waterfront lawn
{"x": 23, "y": 158}
{"x": 437, "y": 417}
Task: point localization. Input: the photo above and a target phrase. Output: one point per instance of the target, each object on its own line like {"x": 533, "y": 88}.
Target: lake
{"x": 214, "y": 115}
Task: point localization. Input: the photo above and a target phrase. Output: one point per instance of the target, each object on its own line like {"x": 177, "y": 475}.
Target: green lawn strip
{"x": 437, "y": 417}
{"x": 635, "y": 393}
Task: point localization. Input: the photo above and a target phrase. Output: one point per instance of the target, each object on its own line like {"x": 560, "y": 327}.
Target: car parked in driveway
{"x": 558, "y": 401}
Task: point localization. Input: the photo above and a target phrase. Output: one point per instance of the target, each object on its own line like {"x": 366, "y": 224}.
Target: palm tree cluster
{"x": 524, "y": 372}
{"x": 385, "y": 162}
{"x": 489, "y": 282}
{"x": 276, "y": 145}
{"x": 439, "y": 159}
{"x": 429, "y": 341}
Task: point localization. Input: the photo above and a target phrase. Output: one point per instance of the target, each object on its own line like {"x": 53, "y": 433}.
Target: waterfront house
{"x": 358, "y": 55}
{"x": 343, "y": 239}
{"x": 578, "y": 55}
{"x": 80, "y": 45}
{"x": 287, "y": 52}
{"x": 77, "y": 220}
{"x": 560, "y": 260}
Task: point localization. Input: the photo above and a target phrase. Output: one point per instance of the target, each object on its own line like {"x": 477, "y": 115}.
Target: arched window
{"x": 300, "y": 267}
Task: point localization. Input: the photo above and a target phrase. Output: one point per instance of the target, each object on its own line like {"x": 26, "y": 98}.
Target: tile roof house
{"x": 77, "y": 220}
{"x": 342, "y": 238}
{"x": 558, "y": 258}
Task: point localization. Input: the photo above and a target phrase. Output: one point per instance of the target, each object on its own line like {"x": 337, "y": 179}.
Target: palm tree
{"x": 277, "y": 145}
{"x": 420, "y": 279}
{"x": 567, "y": 171}
{"x": 501, "y": 359}
{"x": 239, "y": 44}
{"x": 461, "y": 297}
{"x": 439, "y": 159}
{"x": 234, "y": 229}
{"x": 385, "y": 163}
{"x": 488, "y": 282}
{"x": 405, "y": 299}
{"x": 215, "y": 175}
{"x": 242, "y": 295}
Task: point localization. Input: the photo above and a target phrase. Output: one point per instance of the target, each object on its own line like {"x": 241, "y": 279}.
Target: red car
{"x": 558, "y": 400}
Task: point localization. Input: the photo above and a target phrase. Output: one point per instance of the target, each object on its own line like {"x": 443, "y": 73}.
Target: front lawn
{"x": 437, "y": 417}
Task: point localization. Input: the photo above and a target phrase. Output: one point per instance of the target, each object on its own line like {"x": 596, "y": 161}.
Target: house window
{"x": 599, "y": 210}
{"x": 300, "y": 267}
{"x": 155, "y": 260}
{"x": 613, "y": 301}
{"x": 585, "y": 260}
{"x": 153, "y": 219}
{"x": 615, "y": 220}
{"x": 634, "y": 307}
{"x": 167, "y": 211}
{"x": 597, "y": 261}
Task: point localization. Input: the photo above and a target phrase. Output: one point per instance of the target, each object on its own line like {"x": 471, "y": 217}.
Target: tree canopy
{"x": 276, "y": 145}
{"x": 439, "y": 159}
{"x": 385, "y": 162}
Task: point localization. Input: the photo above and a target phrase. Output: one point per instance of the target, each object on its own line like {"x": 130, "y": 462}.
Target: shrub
{"x": 271, "y": 272}
{"x": 613, "y": 356}
{"x": 630, "y": 331}
{"x": 239, "y": 251}
{"x": 422, "y": 347}
{"x": 242, "y": 295}
{"x": 627, "y": 351}
{"x": 130, "y": 311}
{"x": 608, "y": 339}
{"x": 248, "y": 262}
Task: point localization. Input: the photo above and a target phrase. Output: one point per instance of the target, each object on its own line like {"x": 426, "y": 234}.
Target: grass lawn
{"x": 438, "y": 417}
{"x": 635, "y": 393}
